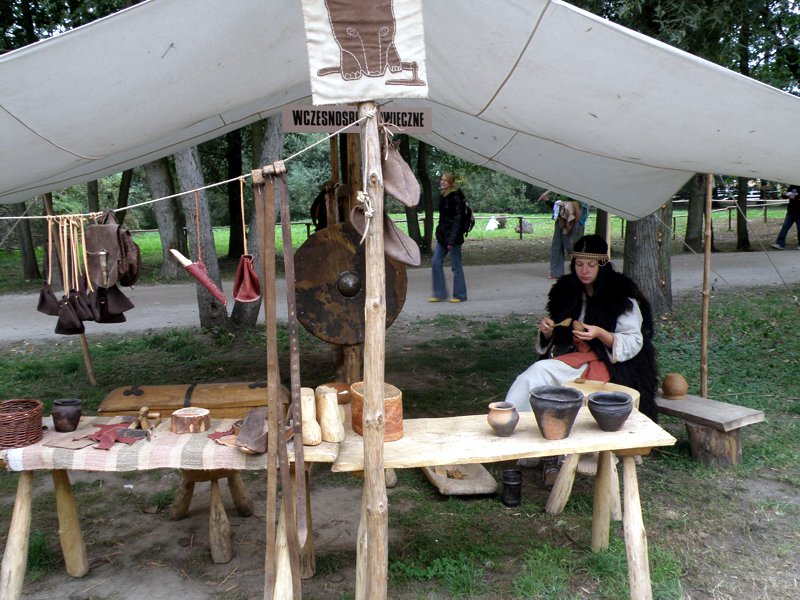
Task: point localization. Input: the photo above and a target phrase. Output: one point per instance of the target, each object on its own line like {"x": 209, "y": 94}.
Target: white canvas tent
{"x": 534, "y": 88}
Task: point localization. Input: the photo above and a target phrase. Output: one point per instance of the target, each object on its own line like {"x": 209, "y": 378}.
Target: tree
{"x": 201, "y": 237}
{"x": 170, "y": 227}
{"x": 245, "y": 314}
{"x": 647, "y": 255}
{"x": 30, "y": 268}
{"x": 427, "y": 196}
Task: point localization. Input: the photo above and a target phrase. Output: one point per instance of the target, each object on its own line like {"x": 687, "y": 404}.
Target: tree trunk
{"x": 601, "y": 223}
{"x": 93, "y": 195}
{"x": 170, "y": 227}
{"x": 412, "y": 214}
{"x": 30, "y": 268}
{"x": 201, "y": 237}
{"x": 694, "y": 216}
{"x": 742, "y": 235}
{"x": 245, "y": 314}
{"x": 233, "y": 154}
{"x": 124, "y": 192}
{"x": 647, "y": 258}
{"x": 427, "y": 196}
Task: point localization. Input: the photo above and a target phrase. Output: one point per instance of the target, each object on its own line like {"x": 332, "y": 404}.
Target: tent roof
{"x": 537, "y": 89}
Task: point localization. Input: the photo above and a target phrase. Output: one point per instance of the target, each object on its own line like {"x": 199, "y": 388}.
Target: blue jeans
{"x": 437, "y": 272}
{"x": 786, "y": 227}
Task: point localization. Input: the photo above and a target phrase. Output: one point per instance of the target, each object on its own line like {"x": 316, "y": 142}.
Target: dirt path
{"x": 494, "y": 290}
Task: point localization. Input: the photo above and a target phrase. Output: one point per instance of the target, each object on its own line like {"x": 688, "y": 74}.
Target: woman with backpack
{"x": 449, "y": 239}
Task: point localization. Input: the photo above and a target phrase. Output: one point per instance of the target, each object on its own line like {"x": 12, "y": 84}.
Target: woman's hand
{"x": 546, "y": 327}
{"x": 592, "y": 332}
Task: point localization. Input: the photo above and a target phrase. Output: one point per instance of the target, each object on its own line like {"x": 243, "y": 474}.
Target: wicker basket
{"x": 20, "y": 422}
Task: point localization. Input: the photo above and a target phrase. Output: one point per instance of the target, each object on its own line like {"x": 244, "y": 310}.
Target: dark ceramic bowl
{"x": 555, "y": 409}
{"x": 610, "y": 409}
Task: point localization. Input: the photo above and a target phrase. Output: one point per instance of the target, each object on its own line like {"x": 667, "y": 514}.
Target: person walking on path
{"x": 449, "y": 239}
{"x": 569, "y": 225}
{"x": 792, "y": 217}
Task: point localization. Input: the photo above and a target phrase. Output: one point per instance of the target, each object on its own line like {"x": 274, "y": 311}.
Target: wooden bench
{"x": 713, "y": 427}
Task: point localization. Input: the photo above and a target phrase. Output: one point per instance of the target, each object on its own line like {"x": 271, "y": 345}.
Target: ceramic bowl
{"x": 610, "y": 409}
{"x": 555, "y": 409}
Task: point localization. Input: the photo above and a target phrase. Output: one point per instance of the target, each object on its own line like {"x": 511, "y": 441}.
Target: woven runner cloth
{"x": 166, "y": 450}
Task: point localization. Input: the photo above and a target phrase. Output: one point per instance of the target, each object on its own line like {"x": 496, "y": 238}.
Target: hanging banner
{"x": 306, "y": 118}
{"x": 360, "y": 51}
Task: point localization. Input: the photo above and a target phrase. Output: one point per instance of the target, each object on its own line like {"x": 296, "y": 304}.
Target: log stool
{"x": 219, "y": 529}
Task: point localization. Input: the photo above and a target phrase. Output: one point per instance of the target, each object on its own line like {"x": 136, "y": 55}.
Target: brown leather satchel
{"x": 113, "y": 256}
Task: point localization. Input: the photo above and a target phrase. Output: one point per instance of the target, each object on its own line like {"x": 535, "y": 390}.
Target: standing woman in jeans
{"x": 449, "y": 238}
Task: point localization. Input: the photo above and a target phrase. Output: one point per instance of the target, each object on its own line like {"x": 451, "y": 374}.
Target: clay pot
{"x": 392, "y": 410}
{"x": 503, "y": 418}
{"x": 555, "y": 408}
{"x": 610, "y": 409}
{"x": 66, "y": 414}
{"x": 674, "y": 386}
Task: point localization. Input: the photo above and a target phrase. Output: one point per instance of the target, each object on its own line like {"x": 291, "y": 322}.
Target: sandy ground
{"x": 493, "y": 290}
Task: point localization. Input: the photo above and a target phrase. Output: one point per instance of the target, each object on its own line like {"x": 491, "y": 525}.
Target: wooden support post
{"x": 87, "y": 359}
{"x": 69, "y": 527}
{"x": 353, "y": 175}
{"x": 12, "y": 572}
{"x": 601, "y": 514}
{"x": 562, "y": 488}
{"x": 308, "y": 561}
{"x": 265, "y": 218}
{"x": 635, "y": 536}
{"x": 375, "y": 511}
{"x": 362, "y": 552}
{"x": 706, "y": 290}
{"x": 283, "y": 566}
{"x": 182, "y": 500}
{"x": 353, "y": 357}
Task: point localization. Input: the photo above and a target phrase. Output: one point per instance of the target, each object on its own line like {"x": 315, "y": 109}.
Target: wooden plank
{"x": 711, "y": 413}
{"x": 469, "y": 439}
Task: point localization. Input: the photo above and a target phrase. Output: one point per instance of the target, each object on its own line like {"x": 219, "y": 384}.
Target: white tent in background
{"x": 537, "y": 89}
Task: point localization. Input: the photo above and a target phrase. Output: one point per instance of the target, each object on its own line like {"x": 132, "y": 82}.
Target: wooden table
{"x": 166, "y": 450}
{"x": 469, "y": 439}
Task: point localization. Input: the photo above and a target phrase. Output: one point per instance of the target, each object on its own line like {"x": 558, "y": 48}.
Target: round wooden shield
{"x": 330, "y": 283}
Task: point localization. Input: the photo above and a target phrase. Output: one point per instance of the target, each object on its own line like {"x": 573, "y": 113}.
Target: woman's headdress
{"x": 591, "y": 247}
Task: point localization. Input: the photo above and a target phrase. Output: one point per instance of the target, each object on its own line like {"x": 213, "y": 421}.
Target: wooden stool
{"x": 219, "y": 529}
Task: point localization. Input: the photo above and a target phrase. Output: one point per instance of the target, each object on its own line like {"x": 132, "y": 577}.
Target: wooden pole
{"x": 265, "y": 219}
{"x": 375, "y": 513}
{"x": 69, "y": 528}
{"x": 706, "y": 290}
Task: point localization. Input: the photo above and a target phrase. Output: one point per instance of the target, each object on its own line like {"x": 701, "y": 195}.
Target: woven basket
{"x": 20, "y": 422}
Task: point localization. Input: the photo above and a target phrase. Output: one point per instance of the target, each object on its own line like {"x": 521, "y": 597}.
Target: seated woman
{"x": 613, "y": 340}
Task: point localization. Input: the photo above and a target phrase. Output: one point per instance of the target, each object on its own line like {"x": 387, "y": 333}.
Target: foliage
{"x": 41, "y": 557}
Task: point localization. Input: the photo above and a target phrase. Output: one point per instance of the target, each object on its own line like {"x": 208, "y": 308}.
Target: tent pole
{"x": 706, "y": 290}
{"x": 375, "y": 510}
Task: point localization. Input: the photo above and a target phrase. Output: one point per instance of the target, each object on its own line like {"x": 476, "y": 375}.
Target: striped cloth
{"x": 166, "y": 450}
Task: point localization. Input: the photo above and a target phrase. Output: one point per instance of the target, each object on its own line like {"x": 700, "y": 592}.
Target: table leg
{"x": 183, "y": 498}
{"x": 69, "y": 527}
{"x": 616, "y": 501}
{"x": 601, "y": 514}
{"x": 635, "y": 536}
{"x": 283, "y": 568}
{"x": 12, "y": 572}
{"x": 241, "y": 498}
{"x": 219, "y": 528}
{"x": 563, "y": 485}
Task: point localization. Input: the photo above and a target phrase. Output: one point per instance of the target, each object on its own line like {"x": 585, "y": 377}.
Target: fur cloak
{"x": 611, "y": 299}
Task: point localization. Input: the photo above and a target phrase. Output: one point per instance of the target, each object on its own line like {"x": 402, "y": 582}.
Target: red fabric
{"x": 596, "y": 369}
